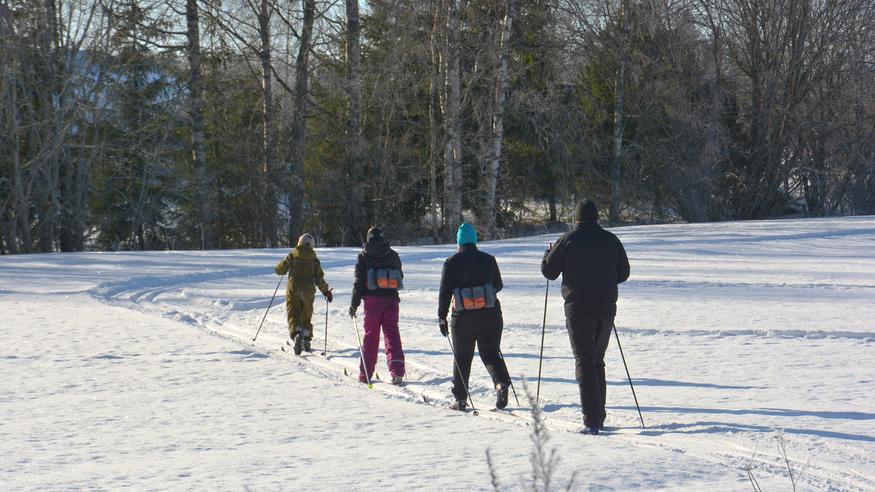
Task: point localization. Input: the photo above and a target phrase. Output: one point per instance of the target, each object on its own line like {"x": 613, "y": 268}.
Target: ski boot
{"x": 397, "y": 380}
{"x": 501, "y": 395}
{"x": 589, "y": 431}
{"x": 459, "y": 405}
{"x": 299, "y": 340}
{"x": 308, "y": 336}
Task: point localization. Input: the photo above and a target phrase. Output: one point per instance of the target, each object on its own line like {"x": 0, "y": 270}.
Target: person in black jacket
{"x": 469, "y": 283}
{"x": 592, "y": 262}
{"x": 378, "y": 277}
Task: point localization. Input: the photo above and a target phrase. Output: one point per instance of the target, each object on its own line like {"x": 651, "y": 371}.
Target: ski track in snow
{"x": 728, "y": 330}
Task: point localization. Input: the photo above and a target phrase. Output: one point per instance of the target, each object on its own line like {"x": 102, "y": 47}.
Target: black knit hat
{"x": 375, "y": 233}
{"x": 587, "y": 210}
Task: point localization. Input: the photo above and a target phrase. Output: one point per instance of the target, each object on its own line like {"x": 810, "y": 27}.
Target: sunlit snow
{"x": 138, "y": 369}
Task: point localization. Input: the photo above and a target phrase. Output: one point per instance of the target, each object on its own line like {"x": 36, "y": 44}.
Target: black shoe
{"x": 501, "y": 395}
{"x": 307, "y": 345}
{"x": 459, "y": 405}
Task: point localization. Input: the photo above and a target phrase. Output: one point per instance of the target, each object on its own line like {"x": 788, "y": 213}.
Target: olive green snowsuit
{"x": 305, "y": 274}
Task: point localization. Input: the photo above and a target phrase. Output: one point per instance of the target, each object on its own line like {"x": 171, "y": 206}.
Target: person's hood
{"x": 304, "y": 252}
{"x": 376, "y": 248}
{"x": 587, "y": 224}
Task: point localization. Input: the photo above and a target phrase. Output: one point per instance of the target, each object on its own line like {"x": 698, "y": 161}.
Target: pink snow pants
{"x": 382, "y": 312}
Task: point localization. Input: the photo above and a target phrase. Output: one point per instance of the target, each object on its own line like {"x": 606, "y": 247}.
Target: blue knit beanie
{"x": 466, "y": 234}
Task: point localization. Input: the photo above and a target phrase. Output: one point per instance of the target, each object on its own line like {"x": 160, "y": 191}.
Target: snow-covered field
{"x": 137, "y": 369}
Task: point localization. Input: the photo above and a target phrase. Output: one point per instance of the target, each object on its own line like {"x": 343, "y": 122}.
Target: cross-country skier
{"x": 592, "y": 262}
{"x": 469, "y": 284}
{"x": 378, "y": 277}
{"x": 305, "y": 274}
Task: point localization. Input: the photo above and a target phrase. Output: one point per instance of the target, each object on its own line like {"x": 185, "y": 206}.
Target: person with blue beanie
{"x": 466, "y": 234}
{"x": 470, "y": 283}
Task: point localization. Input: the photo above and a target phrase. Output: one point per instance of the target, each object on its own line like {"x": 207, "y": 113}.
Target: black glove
{"x": 330, "y": 295}
{"x": 352, "y": 310}
{"x": 445, "y": 329}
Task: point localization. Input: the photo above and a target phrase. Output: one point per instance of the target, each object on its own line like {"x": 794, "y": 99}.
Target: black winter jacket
{"x": 469, "y": 267}
{"x": 592, "y": 262}
{"x": 375, "y": 254}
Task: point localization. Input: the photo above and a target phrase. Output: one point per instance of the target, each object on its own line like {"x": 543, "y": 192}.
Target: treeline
{"x": 133, "y": 124}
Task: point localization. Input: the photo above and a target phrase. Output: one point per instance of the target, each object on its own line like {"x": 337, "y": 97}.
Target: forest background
{"x": 199, "y": 124}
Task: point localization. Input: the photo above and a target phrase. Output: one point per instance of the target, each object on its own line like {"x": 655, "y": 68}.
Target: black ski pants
{"x": 589, "y": 337}
{"x": 483, "y": 328}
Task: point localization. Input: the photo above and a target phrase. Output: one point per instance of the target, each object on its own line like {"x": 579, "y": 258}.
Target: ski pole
{"x": 362, "y": 353}
{"x": 325, "y": 340}
{"x": 629, "y": 376}
{"x": 456, "y": 361}
{"x": 543, "y": 331}
{"x": 268, "y": 307}
{"x": 510, "y": 379}
{"x": 376, "y": 374}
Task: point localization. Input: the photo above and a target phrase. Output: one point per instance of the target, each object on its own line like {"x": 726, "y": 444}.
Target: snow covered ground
{"x": 137, "y": 369}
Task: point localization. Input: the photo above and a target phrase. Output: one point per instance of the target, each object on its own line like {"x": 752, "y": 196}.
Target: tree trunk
{"x": 70, "y": 230}
{"x": 299, "y": 125}
{"x": 434, "y": 104}
{"x": 619, "y": 95}
{"x": 71, "y": 226}
{"x": 18, "y": 215}
{"x": 45, "y": 135}
{"x": 203, "y": 180}
{"x": 268, "y": 199}
{"x": 497, "y": 135}
{"x": 354, "y": 155}
{"x": 453, "y": 121}
{"x": 73, "y": 181}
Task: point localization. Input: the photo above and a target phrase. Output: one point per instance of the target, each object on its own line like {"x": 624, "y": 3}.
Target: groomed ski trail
{"x": 712, "y": 439}
{"x": 722, "y": 453}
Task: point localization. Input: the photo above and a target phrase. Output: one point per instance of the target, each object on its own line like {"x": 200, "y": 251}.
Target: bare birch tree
{"x": 268, "y": 210}
{"x": 203, "y": 182}
{"x": 434, "y": 110}
{"x": 452, "y": 107}
{"x": 296, "y": 189}
{"x": 354, "y": 148}
{"x": 498, "y": 109}
{"x": 619, "y": 121}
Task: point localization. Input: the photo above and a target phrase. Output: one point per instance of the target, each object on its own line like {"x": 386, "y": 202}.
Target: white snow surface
{"x": 139, "y": 370}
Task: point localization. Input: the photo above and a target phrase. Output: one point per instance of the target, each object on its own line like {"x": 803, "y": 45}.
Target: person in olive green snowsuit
{"x": 305, "y": 274}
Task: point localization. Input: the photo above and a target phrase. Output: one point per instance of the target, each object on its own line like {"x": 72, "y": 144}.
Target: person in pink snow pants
{"x": 378, "y": 278}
